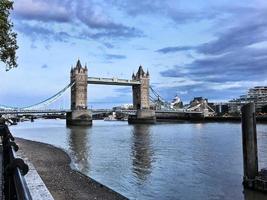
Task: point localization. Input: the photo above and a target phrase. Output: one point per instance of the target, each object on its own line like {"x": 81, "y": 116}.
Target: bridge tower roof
{"x": 78, "y": 65}
{"x": 140, "y": 72}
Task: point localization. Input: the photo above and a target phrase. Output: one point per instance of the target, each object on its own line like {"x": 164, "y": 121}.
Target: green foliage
{"x": 8, "y": 42}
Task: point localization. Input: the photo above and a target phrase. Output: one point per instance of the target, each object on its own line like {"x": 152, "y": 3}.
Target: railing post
{"x": 15, "y": 187}
{"x": 249, "y": 138}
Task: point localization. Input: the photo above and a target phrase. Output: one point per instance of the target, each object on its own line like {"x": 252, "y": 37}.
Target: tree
{"x": 8, "y": 42}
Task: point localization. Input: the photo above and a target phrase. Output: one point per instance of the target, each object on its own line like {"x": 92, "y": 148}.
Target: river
{"x": 163, "y": 161}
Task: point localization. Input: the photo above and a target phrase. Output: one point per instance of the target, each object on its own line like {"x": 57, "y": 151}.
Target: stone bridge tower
{"x": 141, "y": 92}
{"x": 79, "y": 114}
{"x": 141, "y": 99}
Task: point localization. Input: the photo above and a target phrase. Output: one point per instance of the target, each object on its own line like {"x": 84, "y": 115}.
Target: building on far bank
{"x": 176, "y": 103}
{"x": 258, "y": 95}
{"x": 221, "y": 108}
{"x": 200, "y": 104}
{"x": 124, "y": 107}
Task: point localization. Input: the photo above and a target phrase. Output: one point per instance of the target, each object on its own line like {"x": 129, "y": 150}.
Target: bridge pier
{"x": 144, "y": 115}
{"x": 79, "y": 118}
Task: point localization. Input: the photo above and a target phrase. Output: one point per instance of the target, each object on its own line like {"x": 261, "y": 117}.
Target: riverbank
{"x": 53, "y": 165}
{"x": 234, "y": 119}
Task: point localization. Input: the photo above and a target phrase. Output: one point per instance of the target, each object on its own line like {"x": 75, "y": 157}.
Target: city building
{"x": 200, "y": 104}
{"x": 221, "y": 108}
{"x": 258, "y": 95}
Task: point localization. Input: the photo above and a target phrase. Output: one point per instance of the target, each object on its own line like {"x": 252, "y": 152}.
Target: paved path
{"x": 53, "y": 165}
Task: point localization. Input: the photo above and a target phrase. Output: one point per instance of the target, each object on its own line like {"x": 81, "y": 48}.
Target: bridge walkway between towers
{"x": 112, "y": 81}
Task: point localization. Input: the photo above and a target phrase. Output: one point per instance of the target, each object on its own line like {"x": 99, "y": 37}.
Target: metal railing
{"x": 14, "y": 184}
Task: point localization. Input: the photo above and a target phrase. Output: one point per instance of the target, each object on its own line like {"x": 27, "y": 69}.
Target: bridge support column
{"x": 79, "y": 116}
{"x": 144, "y": 115}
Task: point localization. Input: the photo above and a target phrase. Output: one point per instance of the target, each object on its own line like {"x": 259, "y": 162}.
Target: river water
{"x": 164, "y": 161}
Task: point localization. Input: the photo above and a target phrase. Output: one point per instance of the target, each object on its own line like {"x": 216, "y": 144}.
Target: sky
{"x": 214, "y": 49}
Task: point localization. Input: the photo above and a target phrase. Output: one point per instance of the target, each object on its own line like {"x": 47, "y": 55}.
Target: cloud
{"x": 51, "y": 15}
{"x": 227, "y": 65}
{"x": 95, "y": 17}
{"x": 120, "y": 33}
{"x": 143, "y": 7}
{"x": 46, "y": 11}
{"x": 219, "y": 77}
{"x": 232, "y": 39}
{"x": 231, "y": 56}
{"x": 167, "y": 50}
{"x": 172, "y": 10}
{"x": 247, "y": 63}
{"x": 114, "y": 57}
{"x": 108, "y": 45}
{"x": 42, "y": 32}
{"x": 44, "y": 66}
{"x": 246, "y": 31}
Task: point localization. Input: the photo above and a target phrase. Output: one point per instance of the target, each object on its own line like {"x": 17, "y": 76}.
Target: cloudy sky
{"x": 215, "y": 49}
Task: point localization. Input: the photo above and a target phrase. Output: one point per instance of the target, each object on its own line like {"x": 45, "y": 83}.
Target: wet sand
{"x": 53, "y": 165}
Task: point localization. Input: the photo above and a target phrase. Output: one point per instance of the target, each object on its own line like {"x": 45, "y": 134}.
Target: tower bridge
{"x": 80, "y": 115}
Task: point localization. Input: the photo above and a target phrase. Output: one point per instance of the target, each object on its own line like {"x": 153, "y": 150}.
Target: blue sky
{"x": 215, "y": 49}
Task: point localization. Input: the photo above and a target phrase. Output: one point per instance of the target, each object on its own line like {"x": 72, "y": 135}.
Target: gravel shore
{"x": 53, "y": 165}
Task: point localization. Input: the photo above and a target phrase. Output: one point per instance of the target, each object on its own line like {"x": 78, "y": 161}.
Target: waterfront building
{"x": 221, "y": 108}
{"x": 258, "y": 95}
{"x": 176, "y": 103}
{"x": 200, "y": 104}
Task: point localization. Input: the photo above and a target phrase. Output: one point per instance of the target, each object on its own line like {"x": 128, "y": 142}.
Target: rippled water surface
{"x": 162, "y": 161}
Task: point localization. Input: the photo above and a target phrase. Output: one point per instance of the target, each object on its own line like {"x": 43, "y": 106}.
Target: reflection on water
{"x": 199, "y": 125}
{"x": 141, "y": 151}
{"x": 252, "y": 195}
{"x": 79, "y": 147}
{"x": 162, "y": 161}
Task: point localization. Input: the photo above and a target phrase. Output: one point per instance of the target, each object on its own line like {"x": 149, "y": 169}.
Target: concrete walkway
{"x": 37, "y": 188}
{"x": 53, "y": 166}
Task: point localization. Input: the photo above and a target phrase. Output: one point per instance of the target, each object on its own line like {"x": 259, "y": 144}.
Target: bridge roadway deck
{"x": 97, "y": 111}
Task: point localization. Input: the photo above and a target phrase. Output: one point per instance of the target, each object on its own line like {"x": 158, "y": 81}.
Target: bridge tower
{"x": 141, "y": 99}
{"x": 141, "y": 92}
{"x": 78, "y": 75}
{"x": 79, "y": 114}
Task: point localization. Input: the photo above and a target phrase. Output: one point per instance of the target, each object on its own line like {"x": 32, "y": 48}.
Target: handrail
{"x": 15, "y": 187}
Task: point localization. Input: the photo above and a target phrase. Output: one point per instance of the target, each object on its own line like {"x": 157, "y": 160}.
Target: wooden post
{"x": 249, "y": 137}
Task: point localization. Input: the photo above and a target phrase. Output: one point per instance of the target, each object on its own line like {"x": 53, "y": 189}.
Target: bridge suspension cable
{"x": 49, "y": 100}
{"x": 157, "y": 95}
{"x": 158, "y": 100}
{"x": 41, "y": 104}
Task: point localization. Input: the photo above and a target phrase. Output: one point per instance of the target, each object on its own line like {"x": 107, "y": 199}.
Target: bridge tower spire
{"x": 79, "y": 114}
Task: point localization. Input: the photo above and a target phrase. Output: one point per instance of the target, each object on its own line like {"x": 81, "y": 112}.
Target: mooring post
{"x": 249, "y": 138}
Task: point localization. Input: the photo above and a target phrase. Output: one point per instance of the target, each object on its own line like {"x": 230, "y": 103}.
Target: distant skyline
{"x": 191, "y": 48}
